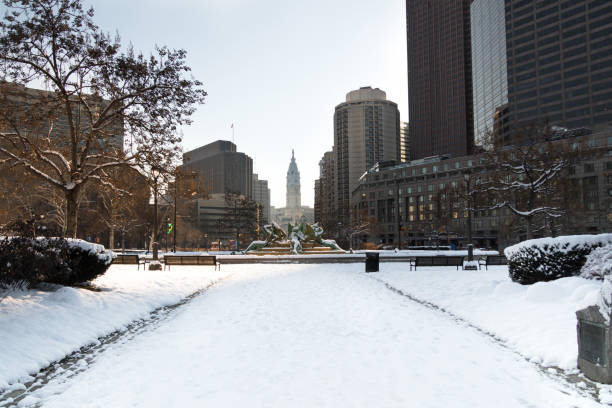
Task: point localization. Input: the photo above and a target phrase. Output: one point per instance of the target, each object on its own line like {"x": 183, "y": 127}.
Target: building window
{"x": 589, "y": 168}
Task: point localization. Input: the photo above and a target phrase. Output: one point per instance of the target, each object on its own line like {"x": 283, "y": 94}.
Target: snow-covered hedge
{"x": 546, "y": 259}
{"x": 52, "y": 260}
{"x": 598, "y": 263}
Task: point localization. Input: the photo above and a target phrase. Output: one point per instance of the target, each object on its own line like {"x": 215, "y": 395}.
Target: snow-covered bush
{"x": 598, "y": 263}
{"x": 51, "y": 260}
{"x": 546, "y": 259}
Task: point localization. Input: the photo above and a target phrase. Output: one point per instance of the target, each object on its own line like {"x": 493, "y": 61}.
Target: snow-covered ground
{"x": 303, "y": 335}
{"x": 331, "y": 335}
{"x": 39, "y": 327}
{"x": 539, "y": 320}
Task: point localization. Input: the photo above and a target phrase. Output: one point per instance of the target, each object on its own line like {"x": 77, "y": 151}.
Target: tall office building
{"x": 559, "y": 63}
{"x": 223, "y": 169}
{"x": 261, "y": 195}
{"x": 489, "y": 64}
{"x": 325, "y": 193}
{"x": 404, "y": 142}
{"x": 366, "y": 131}
{"x": 439, "y": 77}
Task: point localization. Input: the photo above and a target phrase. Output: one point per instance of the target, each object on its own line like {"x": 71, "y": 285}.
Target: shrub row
{"x": 546, "y": 259}
{"x": 51, "y": 260}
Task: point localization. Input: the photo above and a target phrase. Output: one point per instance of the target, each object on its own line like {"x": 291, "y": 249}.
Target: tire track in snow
{"x": 79, "y": 361}
{"x": 571, "y": 380}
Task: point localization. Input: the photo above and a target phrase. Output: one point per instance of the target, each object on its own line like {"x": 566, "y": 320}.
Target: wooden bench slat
{"x": 210, "y": 260}
{"x": 436, "y": 261}
{"x": 123, "y": 259}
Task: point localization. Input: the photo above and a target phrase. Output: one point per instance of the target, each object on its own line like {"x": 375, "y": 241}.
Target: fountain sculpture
{"x": 304, "y": 239}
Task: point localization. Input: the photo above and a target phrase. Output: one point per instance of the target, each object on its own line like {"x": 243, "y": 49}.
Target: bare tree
{"x": 528, "y": 176}
{"x": 27, "y": 200}
{"x": 70, "y": 135}
{"x": 241, "y": 216}
{"x": 120, "y": 207}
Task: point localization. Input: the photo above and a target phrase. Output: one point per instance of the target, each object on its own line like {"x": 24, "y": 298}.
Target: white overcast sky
{"x": 274, "y": 68}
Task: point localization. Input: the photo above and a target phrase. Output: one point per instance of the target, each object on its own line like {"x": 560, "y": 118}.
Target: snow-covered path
{"x": 303, "y": 335}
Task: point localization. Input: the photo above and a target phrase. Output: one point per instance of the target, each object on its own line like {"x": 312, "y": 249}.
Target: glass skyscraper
{"x": 489, "y": 66}
{"x": 439, "y": 78}
{"x": 559, "y": 62}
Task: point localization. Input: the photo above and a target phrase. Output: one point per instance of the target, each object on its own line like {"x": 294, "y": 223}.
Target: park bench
{"x": 495, "y": 260}
{"x": 191, "y": 260}
{"x": 124, "y": 259}
{"x": 436, "y": 261}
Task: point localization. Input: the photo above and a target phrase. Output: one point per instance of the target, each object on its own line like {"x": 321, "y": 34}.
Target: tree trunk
{"x": 528, "y": 227}
{"x": 72, "y": 208}
{"x": 111, "y": 238}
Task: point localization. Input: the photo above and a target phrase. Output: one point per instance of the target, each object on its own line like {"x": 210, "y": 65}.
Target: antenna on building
{"x": 233, "y": 134}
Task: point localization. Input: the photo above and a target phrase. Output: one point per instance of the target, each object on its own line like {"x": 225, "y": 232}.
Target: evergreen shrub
{"x": 546, "y": 259}
{"x": 51, "y": 260}
{"x": 598, "y": 263}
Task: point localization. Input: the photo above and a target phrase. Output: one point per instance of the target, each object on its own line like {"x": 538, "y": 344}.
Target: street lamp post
{"x": 398, "y": 226}
{"x": 467, "y": 178}
{"x": 155, "y": 244}
{"x": 174, "y": 225}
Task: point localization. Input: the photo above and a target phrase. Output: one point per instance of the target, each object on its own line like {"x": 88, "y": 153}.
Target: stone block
{"x": 594, "y": 347}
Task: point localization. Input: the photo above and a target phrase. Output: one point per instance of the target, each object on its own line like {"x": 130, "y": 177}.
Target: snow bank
{"x": 39, "y": 327}
{"x": 95, "y": 249}
{"x": 538, "y": 321}
{"x": 598, "y": 263}
{"x": 564, "y": 243}
{"x": 604, "y": 303}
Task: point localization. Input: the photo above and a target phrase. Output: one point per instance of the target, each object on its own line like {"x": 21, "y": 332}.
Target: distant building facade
{"x": 439, "y": 77}
{"x": 559, "y": 63}
{"x": 489, "y": 63}
{"x": 366, "y": 131}
{"x": 223, "y": 169}
{"x": 325, "y": 193}
{"x": 225, "y": 173}
{"x": 405, "y": 207}
{"x": 261, "y": 194}
{"x": 404, "y": 142}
